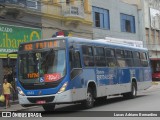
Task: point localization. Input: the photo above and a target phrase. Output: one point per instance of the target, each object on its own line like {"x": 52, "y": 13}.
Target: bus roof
{"x": 103, "y": 42}
{"x": 89, "y": 42}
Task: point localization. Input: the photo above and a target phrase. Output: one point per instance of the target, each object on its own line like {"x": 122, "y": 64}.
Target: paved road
{"x": 148, "y": 100}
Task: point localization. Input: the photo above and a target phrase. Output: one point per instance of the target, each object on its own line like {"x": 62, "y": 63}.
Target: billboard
{"x": 12, "y": 36}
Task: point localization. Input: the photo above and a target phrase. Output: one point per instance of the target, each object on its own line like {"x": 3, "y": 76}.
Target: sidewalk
{"x": 155, "y": 82}
{"x": 15, "y": 106}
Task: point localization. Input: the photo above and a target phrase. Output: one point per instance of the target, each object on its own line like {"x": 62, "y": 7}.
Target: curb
{"x": 155, "y": 83}
{"x": 19, "y": 109}
{"x": 25, "y": 108}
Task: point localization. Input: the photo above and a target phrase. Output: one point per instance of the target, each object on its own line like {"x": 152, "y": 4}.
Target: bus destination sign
{"x": 42, "y": 45}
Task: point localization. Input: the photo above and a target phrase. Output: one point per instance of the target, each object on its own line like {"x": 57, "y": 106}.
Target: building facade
{"x": 20, "y": 21}
{"x": 152, "y": 28}
{"x": 66, "y": 17}
{"x": 117, "y": 18}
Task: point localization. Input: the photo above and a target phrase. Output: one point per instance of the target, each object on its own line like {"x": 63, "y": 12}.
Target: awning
{"x": 154, "y": 58}
{"x": 9, "y": 55}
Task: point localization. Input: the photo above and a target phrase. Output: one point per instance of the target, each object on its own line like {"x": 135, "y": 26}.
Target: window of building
{"x": 157, "y": 36}
{"x": 127, "y": 23}
{"x": 32, "y": 4}
{"x": 101, "y": 18}
{"x": 97, "y": 19}
{"x": 152, "y": 37}
{"x": 67, "y": 1}
{"x": 147, "y": 36}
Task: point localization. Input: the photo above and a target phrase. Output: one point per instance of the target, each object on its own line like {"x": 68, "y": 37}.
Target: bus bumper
{"x": 64, "y": 97}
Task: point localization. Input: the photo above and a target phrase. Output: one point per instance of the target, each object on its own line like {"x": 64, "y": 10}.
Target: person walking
{"x": 6, "y": 92}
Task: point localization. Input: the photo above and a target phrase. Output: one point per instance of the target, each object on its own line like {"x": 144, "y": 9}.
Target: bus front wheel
{"x": 49, "y": 107}
{"x": 89, "y": 102}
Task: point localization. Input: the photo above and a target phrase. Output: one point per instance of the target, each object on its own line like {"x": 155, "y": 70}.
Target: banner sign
{"x": 12, "y": 36}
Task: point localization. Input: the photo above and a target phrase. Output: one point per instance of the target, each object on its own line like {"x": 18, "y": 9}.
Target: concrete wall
{"x": 152, "y": 33}
{"x": 116, "y": 7}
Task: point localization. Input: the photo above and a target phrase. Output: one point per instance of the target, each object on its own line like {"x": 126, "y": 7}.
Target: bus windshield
{"x": 45, "y": 66}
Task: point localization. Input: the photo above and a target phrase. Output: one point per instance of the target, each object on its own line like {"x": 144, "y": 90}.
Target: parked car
{"x": 156, "y": 76}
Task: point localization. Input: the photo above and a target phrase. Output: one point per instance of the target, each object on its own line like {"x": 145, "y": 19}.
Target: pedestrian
{"x": 6, "y": 91}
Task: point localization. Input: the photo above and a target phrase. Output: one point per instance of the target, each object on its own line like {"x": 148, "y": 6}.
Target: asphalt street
{"x": 147, "y": 101}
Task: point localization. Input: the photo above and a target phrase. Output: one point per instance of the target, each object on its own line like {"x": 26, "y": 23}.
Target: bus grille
{"x": 31, "y": 86}
{"x": 47, "y": 99}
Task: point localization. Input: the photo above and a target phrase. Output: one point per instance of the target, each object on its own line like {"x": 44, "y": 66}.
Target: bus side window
{"x": 128, "y": 58}
{"x": 99, "y": 57}
{"x": 110, "y": 57}
{"x": 77, "y": 60}
{"x": 88, "y": 56}
{"x": 144, "y": 61}
{"x": 121, "y": 58}
{"x": 136, "y": 58}
{"x": 74, "y": 61}
{"x": 71, "y": 59}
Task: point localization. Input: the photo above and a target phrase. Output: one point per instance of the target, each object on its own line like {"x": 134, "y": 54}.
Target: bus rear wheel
{"x": 49, "y": 107}
{"x": 133, "y": 92}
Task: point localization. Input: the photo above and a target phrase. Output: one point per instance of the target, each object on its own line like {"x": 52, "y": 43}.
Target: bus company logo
{"x": 6, "y": 114}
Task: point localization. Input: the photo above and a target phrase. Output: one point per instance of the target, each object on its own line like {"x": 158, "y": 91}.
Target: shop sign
{"x": 12, "y": 36}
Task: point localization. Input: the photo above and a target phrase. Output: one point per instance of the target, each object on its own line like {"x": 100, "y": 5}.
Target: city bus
{"x": 65, "y": 70}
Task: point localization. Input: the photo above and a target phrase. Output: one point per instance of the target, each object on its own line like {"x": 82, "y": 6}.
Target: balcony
{"x": 73, "y": 13}
{"x": 17, "y": 8}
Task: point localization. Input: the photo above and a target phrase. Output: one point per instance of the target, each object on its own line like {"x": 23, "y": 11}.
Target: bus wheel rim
{"x": 89, "y": 98}
{"x": 134, "y": 91}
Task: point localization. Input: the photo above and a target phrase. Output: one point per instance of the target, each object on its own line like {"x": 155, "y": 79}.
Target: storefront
{"x": 10, "y": 38}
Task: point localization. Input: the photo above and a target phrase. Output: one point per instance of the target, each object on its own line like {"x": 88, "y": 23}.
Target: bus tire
{"x": 49, "y": 107}
{"x": 133, "y": 92}
{"x": 89, "y": 102}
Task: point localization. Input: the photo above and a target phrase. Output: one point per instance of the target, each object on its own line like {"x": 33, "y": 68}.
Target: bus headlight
{"x": 63, "y": 88}
{"x": 20, "y": 91}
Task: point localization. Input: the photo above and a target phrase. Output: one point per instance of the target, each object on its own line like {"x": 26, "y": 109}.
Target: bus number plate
{"x": 41, "y": 102}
